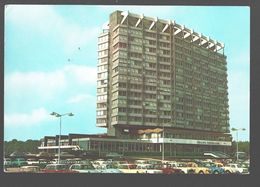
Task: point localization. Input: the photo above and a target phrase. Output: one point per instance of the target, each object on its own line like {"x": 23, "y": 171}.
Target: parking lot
{"x": 128, "y": 165}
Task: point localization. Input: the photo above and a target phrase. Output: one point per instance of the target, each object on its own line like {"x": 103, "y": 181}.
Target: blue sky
{"x": 39, "y": 79}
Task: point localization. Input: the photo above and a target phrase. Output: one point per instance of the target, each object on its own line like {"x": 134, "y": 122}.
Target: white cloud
{"x": 34, "y": 83}
{"x": 43, "y": 19}
{"x": 26, "y": 119}
{"x": 81, "y": 98}
{"x": 82, "y": 74}
{"x": 47, "y": 85}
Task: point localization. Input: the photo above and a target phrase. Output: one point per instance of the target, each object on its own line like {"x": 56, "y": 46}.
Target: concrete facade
{"x": 155, "y": 73}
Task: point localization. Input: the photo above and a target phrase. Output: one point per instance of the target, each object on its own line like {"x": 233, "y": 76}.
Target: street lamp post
{"x": 60, "y": 116}
{"x": 163, "y": 144}
{"x": 234, "y": 129}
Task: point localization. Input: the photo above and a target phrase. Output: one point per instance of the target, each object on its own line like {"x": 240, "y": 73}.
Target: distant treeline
{"x": 30, "y": 146}
{"x": 242, "y": 147}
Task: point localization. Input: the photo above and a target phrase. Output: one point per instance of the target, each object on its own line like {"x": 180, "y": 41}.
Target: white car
{"x": 83, "y": 168}
{"x": 108, "y": 169}
{"x": 235, "y": 168}
{"x": 31, "y": 161}
{"x": 148, "y": 168}
{"x": 98, "y": 163}
{"x": 7, "y": 161}
{"x": 128, "y": 168}
{"x": 30, "y": 169}
{"x": 138, "y": 162}
{"x": 183, "y": 167}
{"x": 54, "y": 161}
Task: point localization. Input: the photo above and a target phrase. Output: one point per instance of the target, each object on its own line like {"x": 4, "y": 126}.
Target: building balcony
{"x": 102, "y": 101}
{"x": 150, "y": 115}
{"x": 135, "y": 123}
{"x": 102, "y": 116}
{"x": 135, "y": 115}
{"x": 119, "y": 122}
{"x": 101, "y": 124}
{"x": 135, "y": 106}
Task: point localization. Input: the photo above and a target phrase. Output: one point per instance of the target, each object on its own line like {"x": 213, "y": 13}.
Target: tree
{"x": 242, "y": 147}
{"x": 20, "y": 146}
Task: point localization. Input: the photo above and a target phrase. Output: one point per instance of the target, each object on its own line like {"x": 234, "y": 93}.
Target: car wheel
{"x": 215, "y": 172}
{"x": 182, "y": 172}
{"x": 201, "y": 172}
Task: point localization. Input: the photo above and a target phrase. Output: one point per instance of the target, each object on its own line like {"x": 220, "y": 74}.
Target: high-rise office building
{"x": 161, "y": 87}
{"x": 155, "y": 73}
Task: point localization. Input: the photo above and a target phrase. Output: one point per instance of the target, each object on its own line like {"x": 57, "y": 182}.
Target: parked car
{"x": 7, "y": 162}
{"x": 168, "y": 168}
{"x": 100, "y": 162}
{"x": 54, "y": 161}
{"x": 43, "y": 163}
{"x": 128, "y": 168}
{"x": 109, "y": 168}
{"x": 198, "y": 168}
{"x": 58, "y": 168}
{"x": 183, "y": 167}
{"x": 18, "y": 162}
{"x": 214, "y": 169}
{"x": 246, "y": 165}
{"x": 83, "y": 168}
{"x": 32, "y": 161}
{"x": 148, "y": 168}
{"x": 74, "y": 160}
{"x": 138, "y": 162}
{"x": 30, "y": 169}
{"x": 235, "y": 168}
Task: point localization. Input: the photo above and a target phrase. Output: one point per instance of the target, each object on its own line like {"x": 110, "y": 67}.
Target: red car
{"x": 57, "y": 168}
{"x": 168, "y": 169}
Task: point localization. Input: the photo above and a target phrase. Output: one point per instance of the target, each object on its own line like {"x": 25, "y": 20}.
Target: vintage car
{"x": 30, "y": 169}
{"x": 58, "y": 168}
{"x": 148, "y": 168}
{"x": 7, "y": 162}
{"x": 129, "y": 168}
{"x": 18, "y": 162}
{"x": 32, "y": 161}
{"x": 214, "y": 169}
{"x": 198, "y": 168}
{"x": 83, "y": 168}
{"x": 109, "y": 168}
{"x": 183, "y": 167}
{"x": 168, "y": 168}
{"x": 235, "y": 168}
